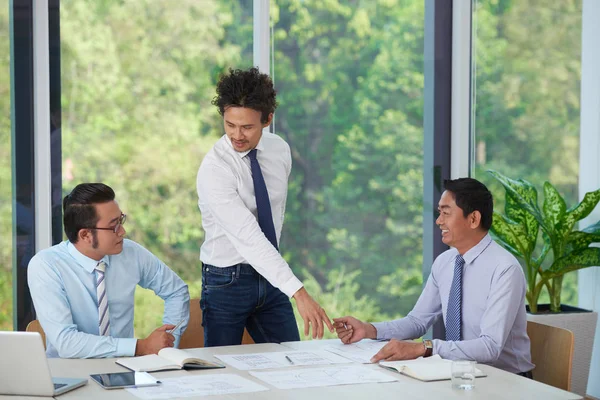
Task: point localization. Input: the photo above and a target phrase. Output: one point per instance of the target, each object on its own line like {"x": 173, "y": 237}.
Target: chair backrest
{"x": 194, "y": 334}
{"x": 552, "y": 354}
{"x": 35, "y": 326}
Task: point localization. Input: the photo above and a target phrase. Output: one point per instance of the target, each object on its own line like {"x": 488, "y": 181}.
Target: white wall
{"x": 589, "y": 165}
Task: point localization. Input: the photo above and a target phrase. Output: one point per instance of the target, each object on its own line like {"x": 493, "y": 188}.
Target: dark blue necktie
{"x": 453, "y": 313}
{"x": 263, "y": 205}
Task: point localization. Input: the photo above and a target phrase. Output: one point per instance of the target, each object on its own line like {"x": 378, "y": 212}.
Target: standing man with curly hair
{"x": 242, "y": 190}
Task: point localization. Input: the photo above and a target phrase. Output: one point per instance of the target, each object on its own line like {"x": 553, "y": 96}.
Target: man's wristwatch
{"x": 428, "y": 344}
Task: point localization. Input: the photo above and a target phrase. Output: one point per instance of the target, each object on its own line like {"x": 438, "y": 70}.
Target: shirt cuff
{"x": 125, "y": 347}
{"x": 291, "y": 286}
{"x": 442, "y": 347}
{"x": 383, "y": 332}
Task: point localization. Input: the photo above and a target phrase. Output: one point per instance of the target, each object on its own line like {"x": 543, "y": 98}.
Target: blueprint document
{"x": 281, "y": 359}
{"x": 322, "y": 376}
{"x": 360, "y": 352}
{"x": 197, "y": 385}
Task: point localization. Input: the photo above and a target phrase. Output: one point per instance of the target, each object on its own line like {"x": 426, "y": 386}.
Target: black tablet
{"x": 121, "y": 380}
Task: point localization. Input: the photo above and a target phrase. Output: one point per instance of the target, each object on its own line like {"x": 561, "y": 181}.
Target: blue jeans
{"x": 236, "y": 297}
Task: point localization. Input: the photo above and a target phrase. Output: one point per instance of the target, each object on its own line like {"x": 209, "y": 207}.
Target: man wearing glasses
{"x": 83, "y": 288}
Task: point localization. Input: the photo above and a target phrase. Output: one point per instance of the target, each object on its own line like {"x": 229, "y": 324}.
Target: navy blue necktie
{"x": 454, "y": 311}
{"x": 263, "y": 205}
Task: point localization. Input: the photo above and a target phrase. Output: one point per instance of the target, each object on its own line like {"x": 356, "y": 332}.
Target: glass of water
{"x": 463, "y": 374}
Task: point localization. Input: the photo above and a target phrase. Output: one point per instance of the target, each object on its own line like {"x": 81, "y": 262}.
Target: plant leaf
{"x": 554, "y": 209}
{"x": 516, "y": 213}
{"x": 508, "y": 234}
{"x": 512, "y": 235}
{"x": 587, "y": 257}
{"x": 545, "y": 249}
{"x": 584, "y": 208}
{"x": 578, "y": 240}
{"x": 523, "y": 194}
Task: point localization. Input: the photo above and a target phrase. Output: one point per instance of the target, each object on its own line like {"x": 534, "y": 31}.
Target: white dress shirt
{"x": 494, "y": 322}
{"x": 228, "y": 206}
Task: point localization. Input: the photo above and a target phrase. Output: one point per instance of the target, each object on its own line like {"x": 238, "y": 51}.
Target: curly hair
{"x": 246, "y": 88}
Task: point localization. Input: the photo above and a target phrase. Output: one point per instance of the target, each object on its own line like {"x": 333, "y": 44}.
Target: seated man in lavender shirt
{"x": 477, "y": 287}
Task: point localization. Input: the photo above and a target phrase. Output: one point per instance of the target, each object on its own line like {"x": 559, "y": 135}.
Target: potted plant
{"x": 562, "y": 249}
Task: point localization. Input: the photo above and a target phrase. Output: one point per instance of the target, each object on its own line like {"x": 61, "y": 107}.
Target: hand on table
{"x": 399, "y": 350}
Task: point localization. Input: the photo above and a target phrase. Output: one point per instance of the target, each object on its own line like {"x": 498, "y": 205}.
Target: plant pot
{"x": 583, "y": 325}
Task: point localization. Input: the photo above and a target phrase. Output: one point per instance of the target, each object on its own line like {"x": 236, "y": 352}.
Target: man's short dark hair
{"x": 246, "y": 88}
{"x": 79, "y": 208}
{"x": 471, "y": 195}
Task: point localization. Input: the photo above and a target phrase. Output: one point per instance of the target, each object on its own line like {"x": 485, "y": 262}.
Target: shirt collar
{"x": 85, "y": 262}
{"x": 476, "y": 250}
{"x": 260, "y": 146}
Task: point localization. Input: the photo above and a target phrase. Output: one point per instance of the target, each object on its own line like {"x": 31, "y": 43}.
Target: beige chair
{"x": 552, "y": 354}
{"x": 35, "y": 326}
{"x": 194, "y": 334}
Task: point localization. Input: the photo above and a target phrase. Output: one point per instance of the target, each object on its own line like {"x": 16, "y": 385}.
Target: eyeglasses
{"x": 115, "y": 229}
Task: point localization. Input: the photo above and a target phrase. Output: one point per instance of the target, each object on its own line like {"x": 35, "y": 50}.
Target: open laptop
{"x": 24, "y": 368}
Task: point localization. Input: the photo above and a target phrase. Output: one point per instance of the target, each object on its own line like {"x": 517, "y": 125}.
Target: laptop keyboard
{"x": 59, "y": 385}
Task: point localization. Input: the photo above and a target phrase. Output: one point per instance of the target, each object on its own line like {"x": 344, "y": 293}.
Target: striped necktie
{"x": 454, "y": 311}
{"x": 103, "y": 315}
{"x": 263, "y": 205}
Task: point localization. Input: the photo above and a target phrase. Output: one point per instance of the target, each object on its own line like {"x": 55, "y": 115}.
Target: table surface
{"x": 497, "y": 385}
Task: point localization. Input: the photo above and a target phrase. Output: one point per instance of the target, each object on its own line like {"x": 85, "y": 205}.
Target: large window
{"x": 137, "y": 81}
{"x": 350, "y": 84}
{"x": 527, "y": 72}
{"x": 349, "y": 78}
{"x": 6, "y": 235}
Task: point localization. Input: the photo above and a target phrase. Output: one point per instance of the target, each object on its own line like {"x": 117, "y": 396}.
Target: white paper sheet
{"x": 324, "y": 376}
{"x": 278, "y": 359}
{"x": 360, "y": 352}
{"x": 197, "y": 385}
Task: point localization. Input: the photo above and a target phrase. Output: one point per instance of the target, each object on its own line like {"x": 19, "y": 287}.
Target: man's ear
{"x": 85, "y": 235}
{"x": 474, "y": 219}
{"x": 269, "y": 120}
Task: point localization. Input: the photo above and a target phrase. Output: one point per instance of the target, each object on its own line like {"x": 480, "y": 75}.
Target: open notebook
{"x": 433, "y": 368}
{"x": 167, "y": 358}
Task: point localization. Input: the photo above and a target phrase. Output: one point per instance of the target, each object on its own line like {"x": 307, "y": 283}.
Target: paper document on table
{"x": 281, "y": 359}
{"x": 360, "y": 352}
{"x": 322, "y": 376}
{"x": 198, "y": 385}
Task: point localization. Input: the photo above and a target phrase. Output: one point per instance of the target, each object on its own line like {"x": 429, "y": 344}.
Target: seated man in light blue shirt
{"x": 83, "y": 289}
{"x": 477, "y": 287}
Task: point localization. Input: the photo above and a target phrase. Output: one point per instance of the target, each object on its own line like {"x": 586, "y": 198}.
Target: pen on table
{"x": 176, "y": 326}
{"x": 289, "y": 359}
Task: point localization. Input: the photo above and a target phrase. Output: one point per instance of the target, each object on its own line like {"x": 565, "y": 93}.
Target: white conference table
{"x": 497, "y": 385}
